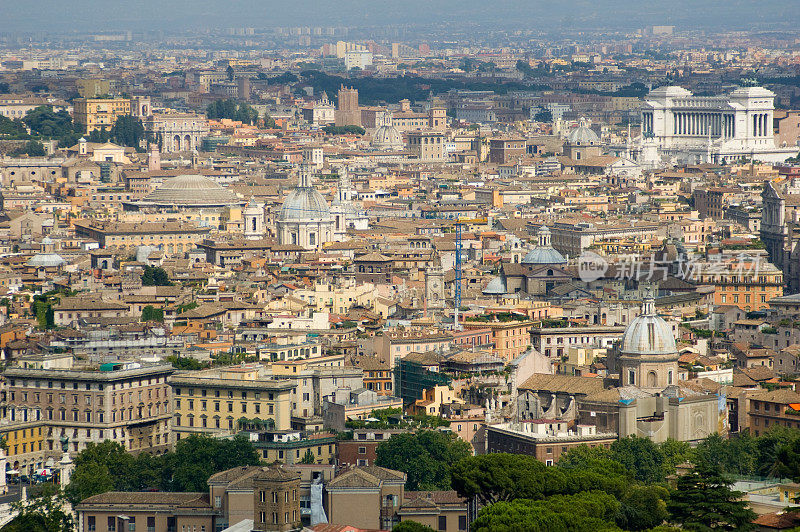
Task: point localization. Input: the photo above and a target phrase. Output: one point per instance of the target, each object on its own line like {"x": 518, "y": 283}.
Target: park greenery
{"x": 394, "y": 417}
{"x": 621, "y": 488}
{"x": 375, "y": 90}
{"x": 331, "y": 129}
{"x": 106, "y": 466}
{"x": 44, "y": 122}
{"x": 232, "y": 110}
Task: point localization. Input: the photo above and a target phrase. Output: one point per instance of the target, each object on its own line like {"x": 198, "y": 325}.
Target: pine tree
{"x": 704, "y": 501}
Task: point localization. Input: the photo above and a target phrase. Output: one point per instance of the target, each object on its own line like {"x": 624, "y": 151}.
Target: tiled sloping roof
{"x": 563, "y": 383}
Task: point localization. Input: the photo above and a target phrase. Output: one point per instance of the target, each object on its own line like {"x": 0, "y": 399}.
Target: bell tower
{"x": 253, "y": 215}
{"x": 434, "y": 285}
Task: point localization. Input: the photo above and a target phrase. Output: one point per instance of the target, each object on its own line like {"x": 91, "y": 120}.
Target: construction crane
{"x": 457, "y": 298}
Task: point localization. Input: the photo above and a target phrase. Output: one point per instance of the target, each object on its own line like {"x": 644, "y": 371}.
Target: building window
{"x": 442, "y": 522}
{"x": 91, "y": 524}
{"x": 462, "y": 522}
{"x": 112, "y": 524}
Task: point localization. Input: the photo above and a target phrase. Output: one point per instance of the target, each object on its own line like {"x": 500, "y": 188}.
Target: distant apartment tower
{"x": 99, "y": 113}
{"x": 348, "y": 113}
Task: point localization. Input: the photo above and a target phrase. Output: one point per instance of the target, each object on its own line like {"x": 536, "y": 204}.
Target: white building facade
{"x": 680, "y": 128}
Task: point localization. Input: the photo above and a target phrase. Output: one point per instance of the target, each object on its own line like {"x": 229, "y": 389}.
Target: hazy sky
{"x": 103, "y": 15}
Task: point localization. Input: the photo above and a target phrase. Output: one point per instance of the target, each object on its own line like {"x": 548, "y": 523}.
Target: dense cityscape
{"x": 335, "y": 269}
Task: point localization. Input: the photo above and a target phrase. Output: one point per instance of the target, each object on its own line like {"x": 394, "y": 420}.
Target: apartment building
{"x": 126, "y": 403}
{"x": 510, "y": 339}
{"x": 99, "y": 113}
{"x": 170, "y": 237}
{"x": 776, "y": 408}
{"x": 213, "y": 401}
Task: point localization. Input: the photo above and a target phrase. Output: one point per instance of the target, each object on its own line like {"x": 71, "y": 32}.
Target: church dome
{"x": 496, "y": 286}
{"x": 190, "y": 191}
{"x": 648, "y": 334}
{"x": 46, "y": 260}
{"x": 545, "y": 255}
{"x": 583, "y": 136}
{"x": 387, "y": 137}
{"x": 304, "y": 204}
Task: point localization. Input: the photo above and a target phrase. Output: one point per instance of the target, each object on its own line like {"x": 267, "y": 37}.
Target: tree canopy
{"x": 106, "y": 466}
{"x": 45, "y": 513}
{"x": 128, "y": 131}
{"x": 426, "y": 457}
{"x": 155, "y": 276}
{"x": 588, "y": 511}
{"x": 33, "y": 148}
{"x": 47, "y": 123}
{"x": 150, "y": 313}
{"x": 233, "y": 110}
{"x": 703, "y": 500}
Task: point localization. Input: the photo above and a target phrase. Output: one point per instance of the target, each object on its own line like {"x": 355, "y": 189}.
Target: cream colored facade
{"x": 326, "y": 297}
{"x": 212, "y": 401}
{"x": 99, "y": 113}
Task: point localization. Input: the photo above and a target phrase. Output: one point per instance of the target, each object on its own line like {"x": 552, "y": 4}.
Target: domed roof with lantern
{"x": 648, "y": 334}
{"x": 583, "y": 136}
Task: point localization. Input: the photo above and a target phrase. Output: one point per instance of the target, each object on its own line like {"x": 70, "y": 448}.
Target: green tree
{"x": 583, "y": 512}
{"x": 643, "y": 507}
{"x": 155, "y": 276}
{"x": 411, "y": 526}
{"x": 187, "y": 363}
{"x": 99, "y": 136}
{"x": 198, "y": 457}
{"x": 34, "y": 148}
{"x": 150, "y": 313}
{"x": 90, "y": 479}
{"x": 230, "y": 73}
{"x": 47, "y": 123}
{"x": 643, "y": 458}
{"x": 308, "y": 458}
{"x": 42, "y": 514}
{"x": 233, "y": 110}
{"x": 331, "y": 129}
{"x": 703, "y": 500}
{"x": 13, "y": 129}
{"x": 426, "y": 457}
{"x": 499, "y": 477}
{"x": 128, "y": 131}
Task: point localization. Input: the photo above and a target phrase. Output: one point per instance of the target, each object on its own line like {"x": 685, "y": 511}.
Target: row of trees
{"x": 107, "y": 467}
{"x": 45, "y": 123}
{"x": 620, "y": 488}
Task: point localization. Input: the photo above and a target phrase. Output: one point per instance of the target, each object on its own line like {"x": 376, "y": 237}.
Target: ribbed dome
{"x": 544, "y": 255}
{"x": 387, "y": 137}
{"x": 190, "y": 190}
{"x": 46, "y": 260}
{"x": 496, "y": 286}
{"x": 304, "y": 204}
{"x": 583, "y": 136}
{"x": 648, "y": 334}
